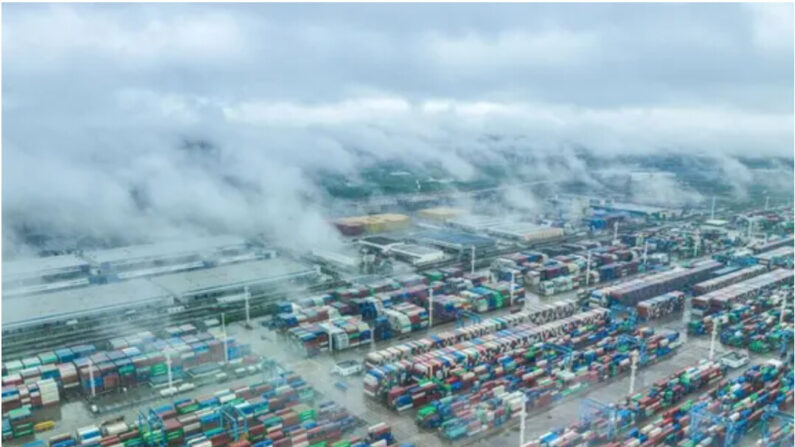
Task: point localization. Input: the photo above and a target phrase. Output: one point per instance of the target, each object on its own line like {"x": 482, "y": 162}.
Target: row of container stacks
{"x": 778, "y": 436}
{"x": 630, "y": 293}
{"x": 300, "y": 316}
{"x": 722, "y": 281}
{"x": 379, "y": 381}
{"x": 540, "y": 372}
{"x": 593, "y": 428}
{"x": 728, "y": 296}
{"x": 391, "y": 313}
{"x": 69, "y": 354}
{"x": 111, "y": 370}
{"x": 43, "y": 393}
{"x": 370, "y": 303}
{"x": 616, "y": 270}
{"x": 736, "y": 314}
{"x": 742, "y": 400}
{"x": 335, "y": 334}
{"x": 661, "y": 306}
{"x": 780, "y": 257}
{"x": 395, "y": 383}
{"x": 406, "y": 317}
{"x": 761, "y": 333}
{"x": 536, "y": 314}
{"x": 277, "y": 412}
{"x": 773, "y": 244}
{"x": 466, "y": 416}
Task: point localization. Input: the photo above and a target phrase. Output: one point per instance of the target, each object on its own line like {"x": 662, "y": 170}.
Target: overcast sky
{"x": 95, "y": 97}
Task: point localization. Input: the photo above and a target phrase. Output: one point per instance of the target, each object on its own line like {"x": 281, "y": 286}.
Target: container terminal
{"x": 641, "y": 326}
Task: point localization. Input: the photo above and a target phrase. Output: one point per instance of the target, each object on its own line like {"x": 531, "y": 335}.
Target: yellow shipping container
{"x": 44, "y": 426}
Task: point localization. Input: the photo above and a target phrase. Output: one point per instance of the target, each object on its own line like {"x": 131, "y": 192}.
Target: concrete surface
{"x": 316, "y": 371}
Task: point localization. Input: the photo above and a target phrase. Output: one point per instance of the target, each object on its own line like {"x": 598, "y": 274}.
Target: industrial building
{"x": 348, "y": 260}
{"x": 454, "y": 240}
{"x": 475, "y": 223}
{"x": 84, "y": 302}
{"x": 635, "y": 210}
{"x": 231, "y": 280}
{"x": 442, "y": 316}
{"x": 416, "y": 254}
{"x": 159, "y": 258}
{"x": 382, "y": 244}
{"x": 35, "y": 275}
{"x": 440, "y": 214}
{"x": 525, "y": 232}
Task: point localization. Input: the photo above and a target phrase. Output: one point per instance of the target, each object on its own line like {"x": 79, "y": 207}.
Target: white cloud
{"x": 473, "y": 53}
{"x": 99, "y": 101}
{"x": 772, "y": 25}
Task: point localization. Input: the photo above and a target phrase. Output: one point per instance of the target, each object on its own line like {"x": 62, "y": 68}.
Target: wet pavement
{"x": 317, "y": 372}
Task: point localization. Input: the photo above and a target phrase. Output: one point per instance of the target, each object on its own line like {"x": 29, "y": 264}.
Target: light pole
{"x": 247, "y": 296}
{"x": 472, "y": 268}
{"x": 633, "y": 369}
{"x": 511, "y": 291}
{"x": 91, "y": 377}
{"x": 226, "y": 343}
{"x": 588, "y": 269}
{"x": 712, "y": 214}
{"x": 168, "y": 365}
{"x": 430, "y": 307}
{"x": 715, "y": 325}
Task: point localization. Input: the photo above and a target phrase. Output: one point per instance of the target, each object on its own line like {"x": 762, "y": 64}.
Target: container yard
{"x": 397, "y": 225}
{"x": 584, "y": 341}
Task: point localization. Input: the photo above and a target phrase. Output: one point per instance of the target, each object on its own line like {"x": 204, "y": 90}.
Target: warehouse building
{"x": 475, "y": 223}
{"x": 62, "y": 306}
{"x": 454, "y": 240}
{"x": 380, "y": 243}
{"x": 168, "y": 257}
{"x": 525, "y": 232}
{"x": 634, "y": 210}
{"x": 416, "y": 254}
{"x": 47, "y": 274}
{"x": 440, "y": 214}
{"x": 229, "y": 281}
{"x": 345, "y": 260}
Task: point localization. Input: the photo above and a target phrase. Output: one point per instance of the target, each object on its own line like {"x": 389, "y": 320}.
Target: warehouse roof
{"x": 415, "y": 250}
{"x": 39, "y": 266}
{"x": 448, "y": 238}
{"x": 164, "y": 249}
{"x": 73, "y": 303}
{"x": 476, "y": 221}
{"x": 380, "y": 240}
{"x": 233, "y": 275}
{"x": 631, "y": 207}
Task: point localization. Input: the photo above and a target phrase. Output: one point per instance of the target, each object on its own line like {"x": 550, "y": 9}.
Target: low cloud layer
{"x": 153, "y": 121}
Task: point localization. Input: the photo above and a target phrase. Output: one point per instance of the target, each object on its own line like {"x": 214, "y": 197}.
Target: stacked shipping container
{"x": 631, "y": 292}
{"x": 726, "y": 297}
{"x": 661, "y": 306}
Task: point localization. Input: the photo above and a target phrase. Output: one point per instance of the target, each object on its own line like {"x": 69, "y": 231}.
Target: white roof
{"x": 31, "y": 267}
{"x": 232, "y": 275}
{"x": 476, "y": 221}
{"x": 633, "y": 207}
{"x": 716, "y": 222}
{"x": 73, "y": 303}
{"x": 164, "y": 249}
{"x": 415, "y": 250}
